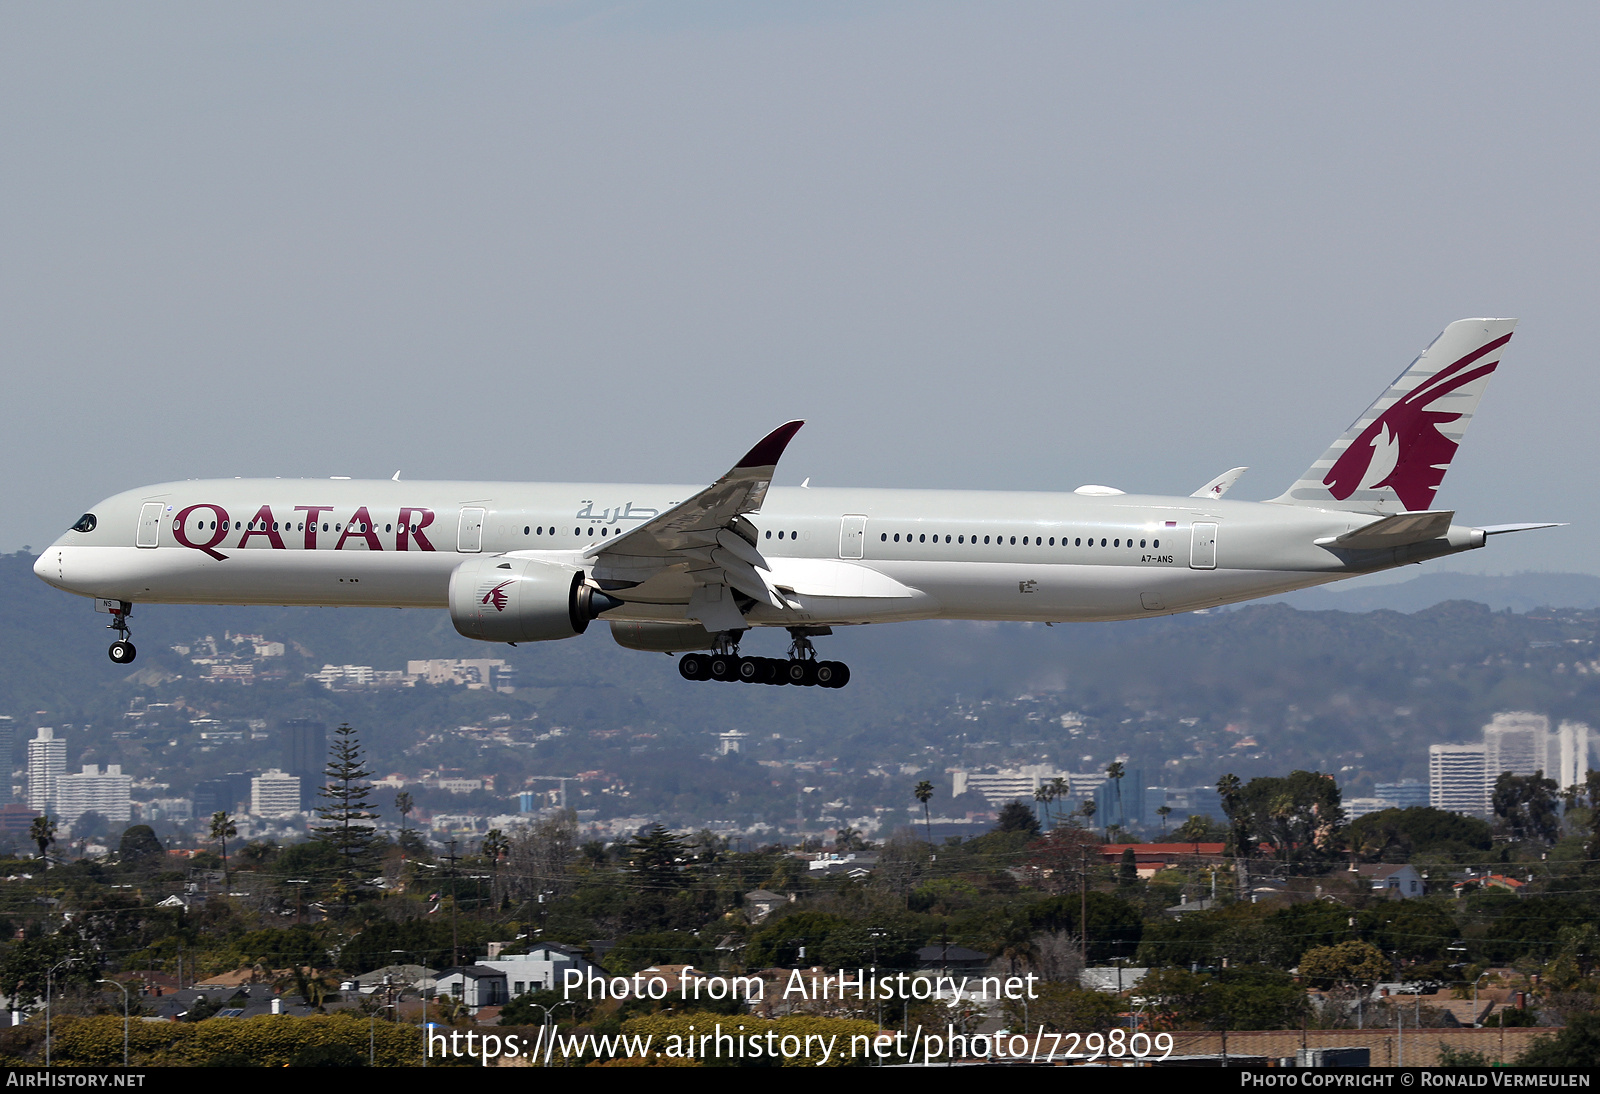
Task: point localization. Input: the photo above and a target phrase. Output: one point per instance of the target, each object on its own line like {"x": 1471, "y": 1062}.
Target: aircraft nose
{"x": 47, "y": 567}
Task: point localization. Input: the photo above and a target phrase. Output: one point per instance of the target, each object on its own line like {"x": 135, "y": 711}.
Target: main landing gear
{"x": 122, "y": 650}
{"x": 802, "y": 669}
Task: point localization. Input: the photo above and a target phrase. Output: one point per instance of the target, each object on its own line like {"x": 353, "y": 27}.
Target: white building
{"x": 1572, "y": 749}
{"x": 90, "y": 791}
{"x": 275, "y": 794}
{"x": 47, "y": 762}
{"x": 1007, "y": 784}
{"x": 1458, "y": 779}
{"x": 1518, "y": 742}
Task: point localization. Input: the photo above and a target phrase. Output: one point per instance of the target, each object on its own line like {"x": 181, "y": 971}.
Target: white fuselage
{"x": 845, "y": 556}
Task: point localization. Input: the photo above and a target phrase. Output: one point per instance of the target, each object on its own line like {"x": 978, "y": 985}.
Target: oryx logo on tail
{"x": 1403, "y": 447}
{"x": 1399, "y": 450}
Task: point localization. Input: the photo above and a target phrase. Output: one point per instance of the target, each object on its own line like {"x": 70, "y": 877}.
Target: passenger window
{"x": 884, "y": 537}
{"x": 922, "y": 538}
{"x": 769, "y": 533}
{"x": 591, "y": 530}
{"x": 1156, "y": 543}
{"x": 527, "y": 529}
{"x": 1102, "y": 541}
{"x": 1024, "y": 541}
{"x": 986, "y": 539}
{"x": 1141, "y": 543}
{"x": 1013, "y": 541}
{"x": 1077, "y": 542}
{"x": 897, "y": 537}
{"x": 1116, "y": 543}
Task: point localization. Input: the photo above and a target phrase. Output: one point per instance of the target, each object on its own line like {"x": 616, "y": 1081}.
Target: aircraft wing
{"x": 701, "y": 539}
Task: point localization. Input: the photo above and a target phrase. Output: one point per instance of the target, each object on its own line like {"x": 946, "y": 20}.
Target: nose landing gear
{"x": 122, "y": 650}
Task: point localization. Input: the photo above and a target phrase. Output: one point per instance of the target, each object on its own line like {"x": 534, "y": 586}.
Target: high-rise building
{"x": 90, "y": 791}
{"x": 1458, "y": 779}
{"x": 229, "y": 794}
{"x": 305, "y": 754}
{"x": 275, "y": 794}
{"x": 8, "y": 730}
{"x": 1572, "y": 742}
{"x": 47, "y": 762}
{"x": 1518, "y": 742}
{"x": 1404, "y": 794}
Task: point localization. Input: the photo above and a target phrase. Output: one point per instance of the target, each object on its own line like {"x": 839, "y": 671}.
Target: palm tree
{"x": 402, "y": 802}
{"x": 495, "y": 846}
{"x": 1114, "y": 772}
{"x": 1163, "y": 811}
{"x": 1086, "y": 810}
{"x": 1059, "y": 789}
{"x": 924, "y": 792}
{"x": 43, "y": 833}
{"x": 222, "y": 830}
{"x": 1044, "y": 795}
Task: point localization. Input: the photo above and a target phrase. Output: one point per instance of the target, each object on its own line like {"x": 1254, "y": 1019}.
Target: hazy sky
{"x": 1020, "y": 246}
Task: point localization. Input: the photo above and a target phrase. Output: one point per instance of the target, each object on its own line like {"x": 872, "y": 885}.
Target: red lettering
{"x": 360, "y": 520}
{"x": 180, "y": 530}
{"x": 311, "y": 512}
{"x": 263, "y": 519}
{"x": 425, "y": 518}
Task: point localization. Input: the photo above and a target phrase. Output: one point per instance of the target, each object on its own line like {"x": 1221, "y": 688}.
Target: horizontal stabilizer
{"x": 1502, "y": 529}
{"x": 1395, "y": 531}
{"x": 1219, "y": 485}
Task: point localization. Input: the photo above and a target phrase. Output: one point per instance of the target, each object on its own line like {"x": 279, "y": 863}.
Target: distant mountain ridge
{"x": 1520, "y": 593}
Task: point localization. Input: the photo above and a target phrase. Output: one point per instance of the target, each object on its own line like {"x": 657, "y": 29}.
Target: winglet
{"x": 769, "y": 448}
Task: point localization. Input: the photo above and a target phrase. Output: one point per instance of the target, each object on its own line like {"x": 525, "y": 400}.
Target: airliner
{"x": 692, "y": 570}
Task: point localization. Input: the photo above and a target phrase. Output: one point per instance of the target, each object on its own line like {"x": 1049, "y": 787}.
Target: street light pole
{"x": 124, "y": 988}
{"x": 48, "y": 991}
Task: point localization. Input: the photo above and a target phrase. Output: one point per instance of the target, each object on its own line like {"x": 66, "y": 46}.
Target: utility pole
{"x": 1083, "y": 908}
{"x": 455, "y": 937}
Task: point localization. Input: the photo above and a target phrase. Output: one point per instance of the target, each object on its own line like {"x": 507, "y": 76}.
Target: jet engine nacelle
{"x": 498, "y": 599}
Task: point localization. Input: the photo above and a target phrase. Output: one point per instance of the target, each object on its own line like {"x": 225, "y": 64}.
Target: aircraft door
{"x": 1203, "y": 546}
{"x": 853, "y": 537}
{"x": 149, "y": 534}
{"x": 469, "y": 536}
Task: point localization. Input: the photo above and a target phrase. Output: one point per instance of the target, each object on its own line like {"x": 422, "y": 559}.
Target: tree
{"x": 1163, "y": 811}
{"x": 1344, "y": 963}
{"x": 347, "y": 812}
{"x": 403, "y": 803}
{"x": 1299, "y": 816}
{"x": 1525, "y": 806}
{"x": 1115, "y": 772}
{"x": 924, "y": 793}
{"x": 1056, "y": 862}
{"x": 222, "y": 830}
{"x": 141, "y": 847}
{"x": 43, "y": 833}
{"x": 495, "y": 846}
{"x": 1016, "y": 817}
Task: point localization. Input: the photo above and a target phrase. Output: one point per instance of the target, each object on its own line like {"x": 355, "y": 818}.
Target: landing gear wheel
{"x": 123, "y": 653}
{"x": 795, "y": 672}
{"x": 748, "y": 670}
{"x": 832, "y": 674}
{"x": 724, "y": 667}
{"x": 694, "y": 666}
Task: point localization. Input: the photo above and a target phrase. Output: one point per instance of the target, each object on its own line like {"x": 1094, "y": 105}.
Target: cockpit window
{"x": 85, "y": 523}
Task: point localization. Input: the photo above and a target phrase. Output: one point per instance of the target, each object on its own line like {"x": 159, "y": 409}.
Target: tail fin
{"x": 1395, "y": 455}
